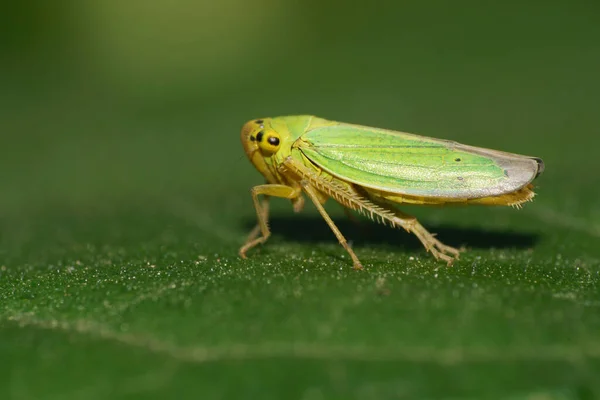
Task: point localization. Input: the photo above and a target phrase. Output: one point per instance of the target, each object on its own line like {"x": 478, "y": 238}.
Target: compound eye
{"x": 268, "y": 141}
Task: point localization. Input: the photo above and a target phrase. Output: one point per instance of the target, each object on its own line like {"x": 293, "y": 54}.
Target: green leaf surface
{"x": 122, "y": 210}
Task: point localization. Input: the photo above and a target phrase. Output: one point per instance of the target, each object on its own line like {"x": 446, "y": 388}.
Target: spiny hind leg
{"x": 438, "y": 249}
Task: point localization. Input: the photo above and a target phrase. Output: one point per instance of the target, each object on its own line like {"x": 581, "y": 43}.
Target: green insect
{"x": 372, "y": 170}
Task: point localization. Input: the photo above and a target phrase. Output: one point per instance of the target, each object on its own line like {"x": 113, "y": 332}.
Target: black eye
{"x": 259, "y": 136}
{"x": 273, "y": 141}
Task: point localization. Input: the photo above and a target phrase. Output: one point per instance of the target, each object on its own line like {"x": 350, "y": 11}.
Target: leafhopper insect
{"x": 371, "y": 171}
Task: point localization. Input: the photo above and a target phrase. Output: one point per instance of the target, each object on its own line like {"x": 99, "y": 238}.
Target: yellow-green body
{"x": 371, "y": 170}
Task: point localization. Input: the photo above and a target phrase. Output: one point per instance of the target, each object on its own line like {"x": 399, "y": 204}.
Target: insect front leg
{"x": 297, "y": 203}
{"x": 438, "y": 249}
{"x": 264, "y": 208}
{"x": 262, "y": 212}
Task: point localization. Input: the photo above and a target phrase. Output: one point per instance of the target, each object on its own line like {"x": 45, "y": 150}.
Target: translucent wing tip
{"x": 540, "y": 166}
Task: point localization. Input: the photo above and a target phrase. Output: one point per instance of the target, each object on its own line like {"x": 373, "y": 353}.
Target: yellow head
{"x": 260, "y": 143}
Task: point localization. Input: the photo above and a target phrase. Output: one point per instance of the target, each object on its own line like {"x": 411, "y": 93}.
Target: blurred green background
{"x": 124, "y": 196}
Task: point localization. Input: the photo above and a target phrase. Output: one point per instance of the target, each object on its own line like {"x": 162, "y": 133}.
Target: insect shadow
{"x": 313, "y": 229}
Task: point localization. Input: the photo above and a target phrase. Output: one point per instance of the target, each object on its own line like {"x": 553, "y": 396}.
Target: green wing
{"x": 414, "y": 165}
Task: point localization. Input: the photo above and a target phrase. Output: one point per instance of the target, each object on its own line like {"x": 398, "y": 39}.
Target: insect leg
{"x": 315, "y": 199}
{"x": 438, "y": 249}
{"x": 298, "y": 204}
{"x": 255, "y": 232}
{"x": 262, "y": 214}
